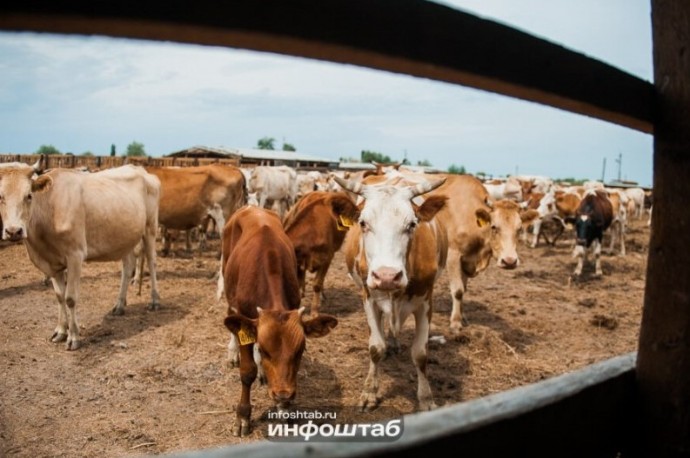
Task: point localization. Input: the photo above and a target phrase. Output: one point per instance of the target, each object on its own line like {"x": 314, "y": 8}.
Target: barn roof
{"x": 254, "y": 155}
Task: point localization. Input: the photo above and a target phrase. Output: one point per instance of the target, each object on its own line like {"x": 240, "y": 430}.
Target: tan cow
{"x": 478, "y": 230}
{"x": 66, "y": 217}
{"x": 188, "y": 194}
{"x": 317, "y": 225}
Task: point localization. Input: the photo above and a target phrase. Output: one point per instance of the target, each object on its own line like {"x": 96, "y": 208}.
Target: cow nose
{"x": 14, "y": 233}
{"x": 283, "y": 397}
{"x": 509, "y": 262}
{"x": 387, "y": 278}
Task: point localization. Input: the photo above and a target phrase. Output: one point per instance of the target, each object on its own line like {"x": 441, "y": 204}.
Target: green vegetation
{"x": 112, "y": 150}
{"x": 47, "y": 149}
{"x": 266, "y": 143}
{"x": 288, "y": 147}
{"x": 457, "y": 170}
{"x": 135, "y": 149}
{"x": 373, "y": 156}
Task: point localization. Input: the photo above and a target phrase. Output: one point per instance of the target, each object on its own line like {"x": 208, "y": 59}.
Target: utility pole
{"x": 619, "y": 161}
{"x": 603, "y": 171}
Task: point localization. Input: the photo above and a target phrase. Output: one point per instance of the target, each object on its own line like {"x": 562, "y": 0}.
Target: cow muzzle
{"x": 387, "y": 279}
{"x": 508, "y": 262}
{"x": 283, "y": 398}
{"x": 14, "y": 234}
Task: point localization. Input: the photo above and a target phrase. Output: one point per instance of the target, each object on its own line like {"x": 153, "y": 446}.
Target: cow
{"x": 274, "y": 185}
{"x": 259, "y": 272}
{"x": 510, "y": 189}
{"x": 477, "y": 230}
{"x": 636, "y": 198}
{"x": 395, "y": 253}
{"x": 317, "y": 225}
{"x": 65, "y": 217}
{"x": 557, "y": 206}
{"x": 188, "y": 194}
{"x": 619, "y": 201}
{"x": 593, "y": 217}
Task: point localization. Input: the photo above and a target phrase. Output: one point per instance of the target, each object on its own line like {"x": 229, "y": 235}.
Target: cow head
{"x": 387, "y": 220}
{"x": 504, "y": 220}
{"x": 17, "y": 188}
{"x": 281, "y": 339}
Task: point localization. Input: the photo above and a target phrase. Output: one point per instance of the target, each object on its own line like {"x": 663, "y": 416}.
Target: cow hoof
{"x": 58, "y": 337}
{"x": 153, "y": 306}
{"x": 234, "y": 362}
{"x": 72, "y": 345}
{"x": 117, "y": 311}
{"x": 427, "y": 405}
{"x": 368, "y": 401}
{"x": 241, "y": 428}
{"x": 455, "y": 328}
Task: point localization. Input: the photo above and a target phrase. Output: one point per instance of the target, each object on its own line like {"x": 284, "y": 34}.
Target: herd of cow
{"x": 398, "y": 231}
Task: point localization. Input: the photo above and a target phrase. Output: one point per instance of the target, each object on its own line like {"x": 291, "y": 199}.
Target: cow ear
{"x": 342, "y": 205}
{"x": 431, "y": 206}
{"x": 528, "y": 216}
{"x": 42, "y": 183}
{"x": 320, "y": 325}
{"x": 236, "y": 322}
{"x": 483, "y": 217}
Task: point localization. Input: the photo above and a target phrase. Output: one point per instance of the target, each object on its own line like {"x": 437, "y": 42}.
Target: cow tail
{"x": 220, "y": 289}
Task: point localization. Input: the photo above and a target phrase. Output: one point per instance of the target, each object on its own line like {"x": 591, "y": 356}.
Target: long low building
{"x": 248, "y": 157}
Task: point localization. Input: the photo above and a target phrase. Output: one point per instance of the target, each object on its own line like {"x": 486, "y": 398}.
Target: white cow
{"x": 510, "y": 189}
{"x": 394, "y": 254}
{"x": 65, "y": 218}
{"x": 274, "y": 184}
{"x": 636, "y": 202}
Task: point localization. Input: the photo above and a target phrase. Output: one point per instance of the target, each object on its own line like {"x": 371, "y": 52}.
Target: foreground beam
{"x": 584, "y": 413}
{"x": 664, "y": 349}
{"x": 414, "y": 37}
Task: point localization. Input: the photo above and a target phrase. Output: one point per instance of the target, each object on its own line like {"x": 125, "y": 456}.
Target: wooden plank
{"x": 414, "y": 37}
{"x": 584, "y": 413}
{"x": 664, "y": 349}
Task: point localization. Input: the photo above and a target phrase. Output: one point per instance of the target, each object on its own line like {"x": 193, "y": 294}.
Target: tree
{"x": 266, "y": 143}
{"x": 48, "y": 149}
{"x": 424, "y": 163}
{"x": 288, "y": 147}
{"x": 135, "y": 149}
{"x": 373, "y": 156}
{"x": 454, "y": 169}
{"x": 87, "y": 153}
{"x": 112, "y": 150}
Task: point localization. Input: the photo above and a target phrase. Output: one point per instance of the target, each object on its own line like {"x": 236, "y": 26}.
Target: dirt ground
{"x": 159, "y": 382}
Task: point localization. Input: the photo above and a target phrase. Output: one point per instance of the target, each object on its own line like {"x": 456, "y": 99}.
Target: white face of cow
{"x": 506, "y": 222}
{"x": 388, "y": 222}
{"x": 547, "y": 206}
{"x": 16, "y": 195}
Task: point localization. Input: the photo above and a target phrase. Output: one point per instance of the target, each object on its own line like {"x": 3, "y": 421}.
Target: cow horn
{"x": 300, "y": 311}
{"x": 38, "y": 165}
{"x": 353, "y": 186}
{"x": 489, "y": 203}
{"x": 425, "y": 186}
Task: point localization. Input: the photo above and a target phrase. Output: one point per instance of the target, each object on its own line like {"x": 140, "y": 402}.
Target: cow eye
{"x": 364, "y": 226}
{"x": 411, "y": 227}
{"x": 29, "y": 197}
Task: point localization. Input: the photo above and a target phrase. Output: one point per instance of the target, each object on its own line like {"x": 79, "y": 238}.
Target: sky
{"x": 82, "y": 94}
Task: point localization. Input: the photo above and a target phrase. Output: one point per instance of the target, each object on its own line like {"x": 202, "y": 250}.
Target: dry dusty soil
{"x": 158, "y": 382}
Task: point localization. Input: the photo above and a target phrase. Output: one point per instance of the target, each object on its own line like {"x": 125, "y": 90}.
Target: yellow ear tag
{"x": 246, "y": 336}
{"x": 481, "y": 222}
{"x": 344, "y": 223}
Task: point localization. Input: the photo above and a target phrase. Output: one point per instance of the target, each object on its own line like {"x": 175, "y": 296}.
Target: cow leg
{"x": 128, "y": 265}
{"x": 580, "y": 253}
{"x": 233, "y": 351}
{"x": 60, "y": 333}
{"x": 597, "y": 258}
{"x": 261, "y": 374}
{"x": 166, "y": 242}
{"x": 377, "y": 351}
{"x": 150, "y": 252}
{"x": 71, "y": 299}
{"x": 248, "y": 372}
{"x": 419, "y": 351}
{"x": 317, "y": 285}
{"x": 622, "y": 237}
{"x": 536, "y": 230}
{"x": 458, "y": 286}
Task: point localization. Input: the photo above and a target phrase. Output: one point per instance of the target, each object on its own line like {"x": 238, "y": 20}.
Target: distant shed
{"x": 253, "y": 157}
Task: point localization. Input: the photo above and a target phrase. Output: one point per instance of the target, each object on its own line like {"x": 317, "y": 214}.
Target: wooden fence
{"x": 106, "y": 162}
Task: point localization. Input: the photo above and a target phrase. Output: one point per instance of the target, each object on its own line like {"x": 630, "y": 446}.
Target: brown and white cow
{"x": 478, "y": 230}
{"x": 557, "y": 206}
{"x": 66, "y": 217}
{"x": 593, "y": 217}
{"x": 189, "y": 193}
{"x": 395, "y": 253}
{"x": 317, "y": 225}
{"x": 262, "y": 291}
